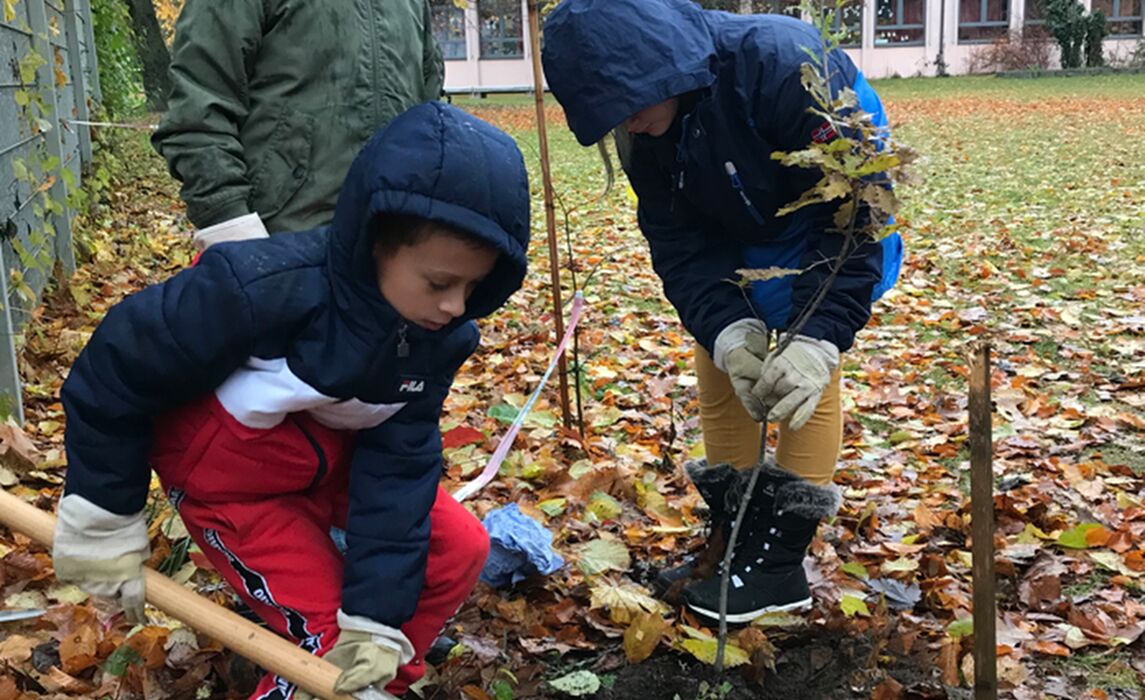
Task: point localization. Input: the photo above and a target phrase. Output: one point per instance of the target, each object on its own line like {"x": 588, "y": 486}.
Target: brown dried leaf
{"x": 948, "y": 661}
{"x": 148, "y": 643}
{"x": 57, "y": 680}
{"x": 17, "y": 649}
{"x": 475, "y": 693}
{"x": 79, "y": 650}
{"x": 17, "y": 451}
{"x": 890, "y": 689}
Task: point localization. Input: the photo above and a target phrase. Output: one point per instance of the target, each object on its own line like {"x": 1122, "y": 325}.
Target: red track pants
{"x": 276, "y": 551}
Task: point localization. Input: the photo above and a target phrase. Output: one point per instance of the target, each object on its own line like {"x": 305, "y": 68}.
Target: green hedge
{"x": 119, "y": 74}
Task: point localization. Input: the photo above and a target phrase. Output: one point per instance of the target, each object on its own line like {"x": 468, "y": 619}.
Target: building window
{"x": 1122, "y": 17}
{"x": 849, "y": 22}
{"x": 501, "y": 32}
{"x": 449, "y": 29}
{"x": 1035, "y": 13}
{"x": 776, "y": 7}
{"x": 983, "y": 20}
{"x": 900, "y": 22}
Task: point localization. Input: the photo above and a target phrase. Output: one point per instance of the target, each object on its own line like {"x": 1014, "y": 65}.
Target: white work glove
{"x": 740, "y": 350}
{"x": 793, "y": 382}
{"x": 369, "y": 654}
{"x": 102, "y": 552}
{"x": 238, "y": 229}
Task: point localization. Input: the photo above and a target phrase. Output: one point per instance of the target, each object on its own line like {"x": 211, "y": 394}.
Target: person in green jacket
{"x": 271, "y": 99}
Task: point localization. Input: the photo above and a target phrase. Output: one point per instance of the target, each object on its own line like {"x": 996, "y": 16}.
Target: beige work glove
{"x": 793, "y": 382}
{"x": 369, "y": 654}
{"x": 740, "y": 350}
{"x": 102, "y": 552}
{"x": 240, "y": 228}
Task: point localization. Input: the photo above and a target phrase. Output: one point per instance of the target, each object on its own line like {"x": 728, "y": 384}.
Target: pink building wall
{"x": 475, "y": 73}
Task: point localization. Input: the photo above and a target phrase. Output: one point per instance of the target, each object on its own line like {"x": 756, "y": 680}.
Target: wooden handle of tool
{"x": 265, "y": 648}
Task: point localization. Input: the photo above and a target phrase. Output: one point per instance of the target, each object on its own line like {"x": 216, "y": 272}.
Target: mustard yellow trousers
{"x": 732, "y": 437}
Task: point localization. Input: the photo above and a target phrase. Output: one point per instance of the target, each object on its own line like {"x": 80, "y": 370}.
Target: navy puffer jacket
{"x": 708, "y": 189}
{"x": 290, "y": 323}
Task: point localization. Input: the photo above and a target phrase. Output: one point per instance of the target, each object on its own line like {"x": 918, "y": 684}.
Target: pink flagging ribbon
{"x": 506, "y": 443}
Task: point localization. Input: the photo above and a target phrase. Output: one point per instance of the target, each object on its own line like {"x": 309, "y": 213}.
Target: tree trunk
{"x": 154, "y": 58}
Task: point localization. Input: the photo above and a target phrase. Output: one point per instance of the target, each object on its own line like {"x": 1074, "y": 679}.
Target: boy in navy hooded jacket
{"x": 284, "y": 386}
{"x": 699, "y": 101}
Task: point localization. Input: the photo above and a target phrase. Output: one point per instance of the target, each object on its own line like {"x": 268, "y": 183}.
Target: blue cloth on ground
{"x": 518, "y": 546}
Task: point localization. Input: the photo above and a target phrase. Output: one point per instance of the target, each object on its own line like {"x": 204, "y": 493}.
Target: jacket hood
{"x": 605, "y": 60}
{"x": 439, "y": 163}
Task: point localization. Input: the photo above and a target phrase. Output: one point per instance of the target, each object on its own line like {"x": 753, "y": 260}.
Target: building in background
{"x": 486, "y": 49}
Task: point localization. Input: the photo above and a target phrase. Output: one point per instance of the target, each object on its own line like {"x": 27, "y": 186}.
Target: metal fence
{"x": 47, "y": 77}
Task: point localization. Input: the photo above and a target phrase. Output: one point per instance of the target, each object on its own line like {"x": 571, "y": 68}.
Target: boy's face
{"x": 429, "y": 282}
{"x": 654, "y": 120}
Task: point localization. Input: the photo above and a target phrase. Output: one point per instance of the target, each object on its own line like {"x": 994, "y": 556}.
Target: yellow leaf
{"x": 625, "y": 602}
{"x": 705, "y": 650}
{"x": 643, "y": 636}
{"x": 852, "y": 605}
{"x": 10, "y": 10}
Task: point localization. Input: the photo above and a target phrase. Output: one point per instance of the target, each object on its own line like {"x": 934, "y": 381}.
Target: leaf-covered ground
{"x": 1027, "y": 228}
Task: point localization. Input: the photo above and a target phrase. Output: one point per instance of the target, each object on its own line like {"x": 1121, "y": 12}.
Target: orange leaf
{"x": 1136, "y": 560}
{"x": 474, "y": 693}
{"x": 148, "y": 642}
{"x": 8, "y": 689}
{"x": 80, "y": 649}
{"x": 1097, "y": 537}
{"x": 1050, "y": 648}
{"x": 925, "y": 518}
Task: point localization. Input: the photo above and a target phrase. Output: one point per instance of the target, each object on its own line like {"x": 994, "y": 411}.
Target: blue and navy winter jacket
{"x": 708, "y": 189}
{"x": 296, "y": 323}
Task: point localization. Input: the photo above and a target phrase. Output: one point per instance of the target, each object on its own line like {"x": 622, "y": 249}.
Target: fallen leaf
{"x": 852, "y": 605}
{"x": 577, "y": 684}
{"x": 624, "y": 601}
{"x": 16, "y": 649}
{"x": 705, "y": 650}
{"x": 900, "y": 596}
{"x": 889, "y": 689}
{"x": 460, "y": 436}
{"x": 16, "y": 451}
{"x": 1076, "y": 537}
{"x": 948, "y": 661}
{"x": 643, "y": 636}
{"x": 78, "y": 649}
{"x": 598, "y": 556}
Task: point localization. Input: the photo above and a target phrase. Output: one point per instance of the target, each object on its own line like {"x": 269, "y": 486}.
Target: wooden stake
{"x": 265, "y": 648}
{"x": 550, "y": 213}
{"x": 982, "y": 524}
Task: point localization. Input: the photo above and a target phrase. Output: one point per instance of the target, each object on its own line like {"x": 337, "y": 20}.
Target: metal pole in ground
{"x": 982, "y": 524}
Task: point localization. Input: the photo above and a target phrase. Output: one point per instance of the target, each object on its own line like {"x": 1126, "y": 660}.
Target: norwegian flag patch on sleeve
{"x": 823, "y": 133}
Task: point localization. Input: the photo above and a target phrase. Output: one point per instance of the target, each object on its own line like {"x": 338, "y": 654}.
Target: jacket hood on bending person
{"x": 426, "y": 164}
{"x": 606, "y": 60}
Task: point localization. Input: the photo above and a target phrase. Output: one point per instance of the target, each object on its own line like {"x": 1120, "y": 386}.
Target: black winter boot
{"x": 714, "y": 484}
{"x": 767, "y": 569}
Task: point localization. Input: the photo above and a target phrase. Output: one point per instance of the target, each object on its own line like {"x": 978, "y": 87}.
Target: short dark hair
{"x": 394, "y": 231}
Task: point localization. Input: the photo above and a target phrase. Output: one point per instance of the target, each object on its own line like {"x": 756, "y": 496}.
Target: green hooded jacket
{"x": 272, "y": 99}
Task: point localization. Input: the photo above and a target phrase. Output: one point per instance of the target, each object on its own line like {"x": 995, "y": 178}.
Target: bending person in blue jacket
{"x": 699, "y": 100}
{"x": 284, "y": 386}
